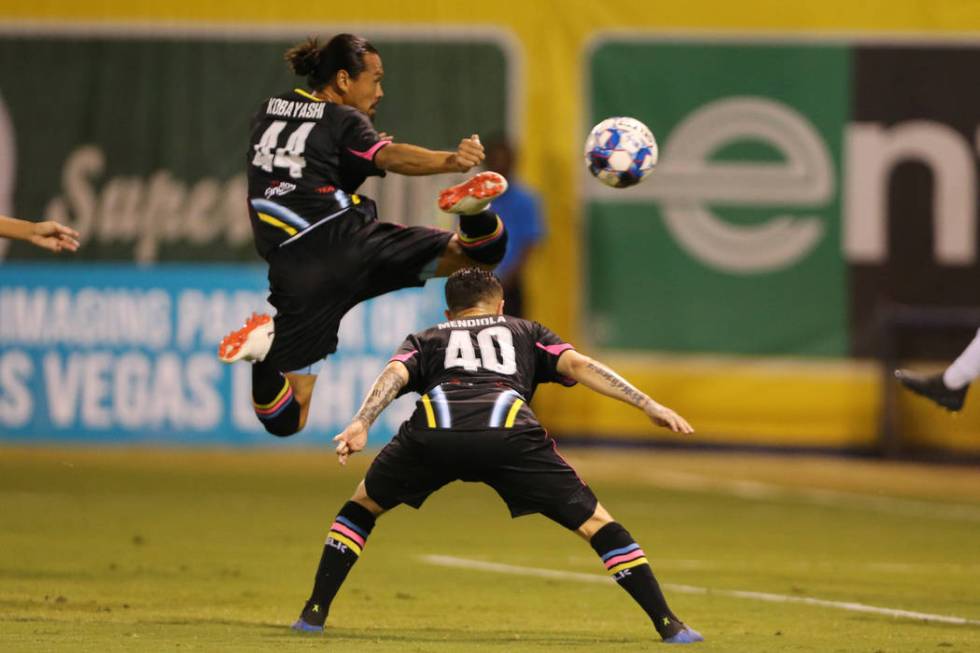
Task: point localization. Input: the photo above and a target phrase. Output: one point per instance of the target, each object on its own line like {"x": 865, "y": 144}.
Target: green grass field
{"x": 174, "y": 550}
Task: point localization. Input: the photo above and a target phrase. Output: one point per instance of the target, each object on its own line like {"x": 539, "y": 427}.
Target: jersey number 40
{"x": 268, "y": 155}
{"x": 460, "y": 351}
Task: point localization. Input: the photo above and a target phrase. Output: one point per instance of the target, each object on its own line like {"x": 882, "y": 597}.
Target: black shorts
{"x": 524, "y": 467}
{"x": 315, "y": 279}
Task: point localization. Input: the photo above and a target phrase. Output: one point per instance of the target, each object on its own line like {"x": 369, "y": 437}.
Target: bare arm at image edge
{"x": 47, "y": 235}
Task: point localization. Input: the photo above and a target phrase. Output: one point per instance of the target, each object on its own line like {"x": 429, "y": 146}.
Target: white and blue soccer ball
{"x": 620, "y": 152}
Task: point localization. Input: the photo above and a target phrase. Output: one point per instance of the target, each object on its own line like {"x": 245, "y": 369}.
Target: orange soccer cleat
{"x": 474, "y": 194}
{"x": 251, "y": 343}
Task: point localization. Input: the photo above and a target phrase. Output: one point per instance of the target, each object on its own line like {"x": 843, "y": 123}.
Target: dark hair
{"x": 468, "y": 287}
{"x": 319, "y": 63}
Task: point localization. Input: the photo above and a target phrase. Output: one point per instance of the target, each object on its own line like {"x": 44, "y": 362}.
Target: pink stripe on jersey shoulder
{"x": 401, "y": 358}
{"x": 369, "y": 154}
{"x": 343, "y": 530}
{"x": 555, "y": 350}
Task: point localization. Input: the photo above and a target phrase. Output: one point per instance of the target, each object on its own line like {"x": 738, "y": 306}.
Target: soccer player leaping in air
{"x": 327, "y": 251}
{"x": 476, "y": 374}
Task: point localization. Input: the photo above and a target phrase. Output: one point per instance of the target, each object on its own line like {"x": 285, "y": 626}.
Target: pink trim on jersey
{"x": 401, "y": 358}
{"x": 626, "y": 557}
{"x": 343, "y": 530}
{"x": 555, "y": 350}
{"x": 369, "y": 154}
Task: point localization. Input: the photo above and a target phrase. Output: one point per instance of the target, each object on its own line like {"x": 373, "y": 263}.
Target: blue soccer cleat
{"x": 303, "y": 627}
{"x": 686, "y": 636}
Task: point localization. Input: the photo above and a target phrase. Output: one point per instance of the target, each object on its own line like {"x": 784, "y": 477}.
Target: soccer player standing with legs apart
{"x": 949, "y": 388}
{"x": 476, "y": 374}
{"x": 311, "y": 148}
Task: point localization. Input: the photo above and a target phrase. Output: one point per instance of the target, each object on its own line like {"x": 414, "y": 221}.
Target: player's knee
{"x": 488, "y": 245}
{"x": 362, "y": 499}
{"x": 595, "y": 523}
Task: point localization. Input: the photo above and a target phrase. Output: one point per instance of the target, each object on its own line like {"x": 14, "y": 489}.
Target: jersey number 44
{"x": 269, "y": 155}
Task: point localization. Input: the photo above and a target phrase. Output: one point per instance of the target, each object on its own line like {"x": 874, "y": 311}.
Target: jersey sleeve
{"x": 548, "y": 348}
{"x": 360, "y": 143}
{"x": 409, "y": 354}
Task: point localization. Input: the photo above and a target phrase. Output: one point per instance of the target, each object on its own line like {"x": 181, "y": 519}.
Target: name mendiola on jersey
{"x": 292, "y": 109}
{"x": 478, "y": 321}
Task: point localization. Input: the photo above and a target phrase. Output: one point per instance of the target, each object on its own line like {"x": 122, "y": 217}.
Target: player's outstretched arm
{"x": 386, "y": 387}
{"x": 406, "y": 159}
{"x": 48, "y": 235}
{"x": 596, "y": 376}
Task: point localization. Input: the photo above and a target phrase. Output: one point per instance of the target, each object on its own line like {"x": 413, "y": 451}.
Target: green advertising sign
{"x": 733, "y": 244}
{"x": 139, "y": 140}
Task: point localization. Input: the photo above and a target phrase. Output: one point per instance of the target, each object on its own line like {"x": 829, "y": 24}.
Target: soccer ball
{"x": 620, "y": 152}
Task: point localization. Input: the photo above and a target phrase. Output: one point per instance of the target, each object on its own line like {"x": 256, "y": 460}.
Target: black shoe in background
{"x": 932, "y": 387}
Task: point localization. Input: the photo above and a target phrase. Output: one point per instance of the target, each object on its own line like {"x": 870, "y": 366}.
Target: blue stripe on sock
{"x": 351, "y": 525}
{"x": 626, "y": 549}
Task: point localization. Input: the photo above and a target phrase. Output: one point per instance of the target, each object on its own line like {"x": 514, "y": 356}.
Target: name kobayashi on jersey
{"x": 306, "y": 160}
{"x": 480, "y": 372}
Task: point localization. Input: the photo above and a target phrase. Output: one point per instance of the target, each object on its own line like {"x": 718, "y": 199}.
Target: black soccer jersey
{"x": 480, "y": 372}
{"x": 306, "y": 159}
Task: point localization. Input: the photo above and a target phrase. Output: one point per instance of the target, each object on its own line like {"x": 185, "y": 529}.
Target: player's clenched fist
{"x": 469, "y": 153}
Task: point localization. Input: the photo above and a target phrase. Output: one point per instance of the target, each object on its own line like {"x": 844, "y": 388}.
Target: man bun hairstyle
{"x": 321, "y": 63}
{"x": 467, "y": 287}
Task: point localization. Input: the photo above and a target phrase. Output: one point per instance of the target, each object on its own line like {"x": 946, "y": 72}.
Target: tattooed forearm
{"x": 619, "y": 384}
{"x": 382, "y": 393}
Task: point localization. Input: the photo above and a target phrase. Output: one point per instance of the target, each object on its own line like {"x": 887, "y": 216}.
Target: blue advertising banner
{"x": 126, "y": 354}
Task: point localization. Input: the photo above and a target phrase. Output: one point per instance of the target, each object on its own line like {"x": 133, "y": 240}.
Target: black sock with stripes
{"x": 345, "y": 542}
{"x": 626, "y": 562}
{"x": 273, "y": 400}
{"x": 483, "y": 237}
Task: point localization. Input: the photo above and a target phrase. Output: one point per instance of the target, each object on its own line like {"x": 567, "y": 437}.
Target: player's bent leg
{"x": 345, "y": 543}
{"x": 482, "y": 237}
{"x": 456, "y": 256}
{"x": 592, "y": 525}
{"x": 626, "y": 562}
{"x": 481, "y": 241}
{"x": 303, "y": 385}
{"x": 279, "y": 405}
